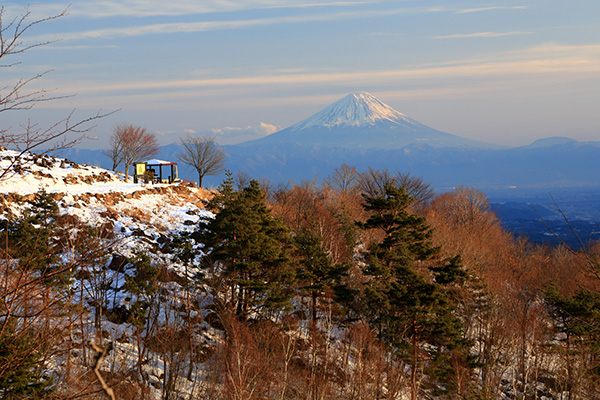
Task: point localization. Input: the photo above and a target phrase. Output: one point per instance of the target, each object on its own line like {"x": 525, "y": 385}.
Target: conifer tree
{"x": 248, "y": 248}
{"x": 144, "y": 286}
{"x": 30, "y": 236}
{"x": 577, "y": 319}
{"x": 21, "y": 375}
{"x": 412, "y": 313}
{"x": 30, "y": 272}
{"x": 316, "y": 273}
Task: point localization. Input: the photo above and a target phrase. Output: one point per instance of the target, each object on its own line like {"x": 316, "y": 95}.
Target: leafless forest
{"x": 368, "y": 287}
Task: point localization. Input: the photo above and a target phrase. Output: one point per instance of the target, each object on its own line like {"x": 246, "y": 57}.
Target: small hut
{"x": 155, "y": 171}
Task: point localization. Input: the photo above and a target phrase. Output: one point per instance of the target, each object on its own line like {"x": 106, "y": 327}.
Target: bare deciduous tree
{"x": 19, "y": 96}
{"x": 415, "y": 186}
{"x": 374, "y": 181}
{"x": 204, "y": 155}
{"x": 115, "y": 152}
{"x": 15, "y": 97}
{"x": 345, "y": 178}
{"x": 131, "y": 143}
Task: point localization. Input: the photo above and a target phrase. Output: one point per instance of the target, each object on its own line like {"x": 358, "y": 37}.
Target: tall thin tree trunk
{"x": 190, "y": 325}
{"x": 140, "y": 360}
{"x": 314, "y": 307}
{"x": 82, "y": 326}
{"x": 413, "y": 389}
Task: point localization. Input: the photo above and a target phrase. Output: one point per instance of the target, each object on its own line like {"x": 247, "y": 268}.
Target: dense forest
{"x": 368, "y": 286}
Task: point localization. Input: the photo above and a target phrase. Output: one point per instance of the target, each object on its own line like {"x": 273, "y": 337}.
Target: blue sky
{"x": 504, "y": 71}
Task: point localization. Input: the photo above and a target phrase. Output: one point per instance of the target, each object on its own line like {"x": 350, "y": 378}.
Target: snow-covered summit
{"x": 360, "y": 120}
{"x": 96, "y": 195}
{"x": 28, "y": 172}
{"x": 359, "y": 109}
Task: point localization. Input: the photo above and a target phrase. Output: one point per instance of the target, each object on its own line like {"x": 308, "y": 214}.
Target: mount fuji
{"x": 363, "y": 132}
{"x": 361, "y": 121}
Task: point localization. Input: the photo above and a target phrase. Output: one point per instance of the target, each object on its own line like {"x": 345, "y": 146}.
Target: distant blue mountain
{"x": 362, "y": 131}
{"x": 566, "y": 165}
{"x": 551, "y": 141}
{"x": 361, "y": 121}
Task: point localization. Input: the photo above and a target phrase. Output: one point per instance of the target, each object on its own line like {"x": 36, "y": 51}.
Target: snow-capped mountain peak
{"x": 354, "y": 110}
{"x": 360, "y": 120}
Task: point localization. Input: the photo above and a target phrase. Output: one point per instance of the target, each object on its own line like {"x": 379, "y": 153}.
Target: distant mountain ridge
{"x": 362, "y": 131}
{"x": 555, "y": 141}
{"x": 361, "y": 121}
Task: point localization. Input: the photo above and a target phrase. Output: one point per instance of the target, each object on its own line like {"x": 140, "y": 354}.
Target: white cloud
{"x": 483, "y": 35}
{"x": 267, "y": 129}
{"x": 547, "y": 58}
{"x": 480, "y": 9}
{"x": 96, "y": 9}
{"x": 231, "y": 134}
{"x": 154, "y": 8}
{"x": 204, "y": 26}
{"x": 164, "y": 133}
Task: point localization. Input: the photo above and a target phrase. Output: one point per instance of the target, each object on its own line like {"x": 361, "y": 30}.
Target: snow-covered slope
{"x": 97, "y": 196}
{"x": 102, "y": 215}
{"x": 359, "y": 120}
{"x": 29, "y": 172}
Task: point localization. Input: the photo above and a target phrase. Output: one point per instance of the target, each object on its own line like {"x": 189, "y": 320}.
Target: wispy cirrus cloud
{"x": 483, "y": 35}
{"x": 480, "y": 9}
{"x": 155, "y": 8}
{"x": 96, "y": 9}
{"x": 546, "y": 59}
{"x": 203, "y": 26}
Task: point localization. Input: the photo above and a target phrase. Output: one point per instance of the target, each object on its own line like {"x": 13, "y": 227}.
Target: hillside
{"x": 93, "y": 194}
{"x": 112, "y": 222}
{"x": 110, "y": 288}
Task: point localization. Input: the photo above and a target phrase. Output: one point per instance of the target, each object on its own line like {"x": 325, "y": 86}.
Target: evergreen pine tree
{"x": 577, "y": 319}
{"x": 249, "y": 249}
{"x": 30, "y": 236}
{"x": 316, "y": 273}
{"x": 21, "y": 375}
{"x": 29, "y": 243}
{"x": 144, "y": 286}
{"x": 142, "y": 283}
{"x": 412, "y": 313}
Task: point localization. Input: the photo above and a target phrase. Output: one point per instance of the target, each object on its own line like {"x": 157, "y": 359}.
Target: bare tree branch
{"x": 204, "y": 155}
{"x": 11, "y": 44}
{"x": 18, "y": 96}
{"x": 345, "y": 177}
{"x": 590, "y": 259}
{"x": 131, "y": 143}
{"x": 115, "y": 153}
{"x": 33, "y": 138}
{"x": 101, "y": 353}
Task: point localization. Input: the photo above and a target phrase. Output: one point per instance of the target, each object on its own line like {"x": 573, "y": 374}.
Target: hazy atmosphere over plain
{"x": 506, "y": 72}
